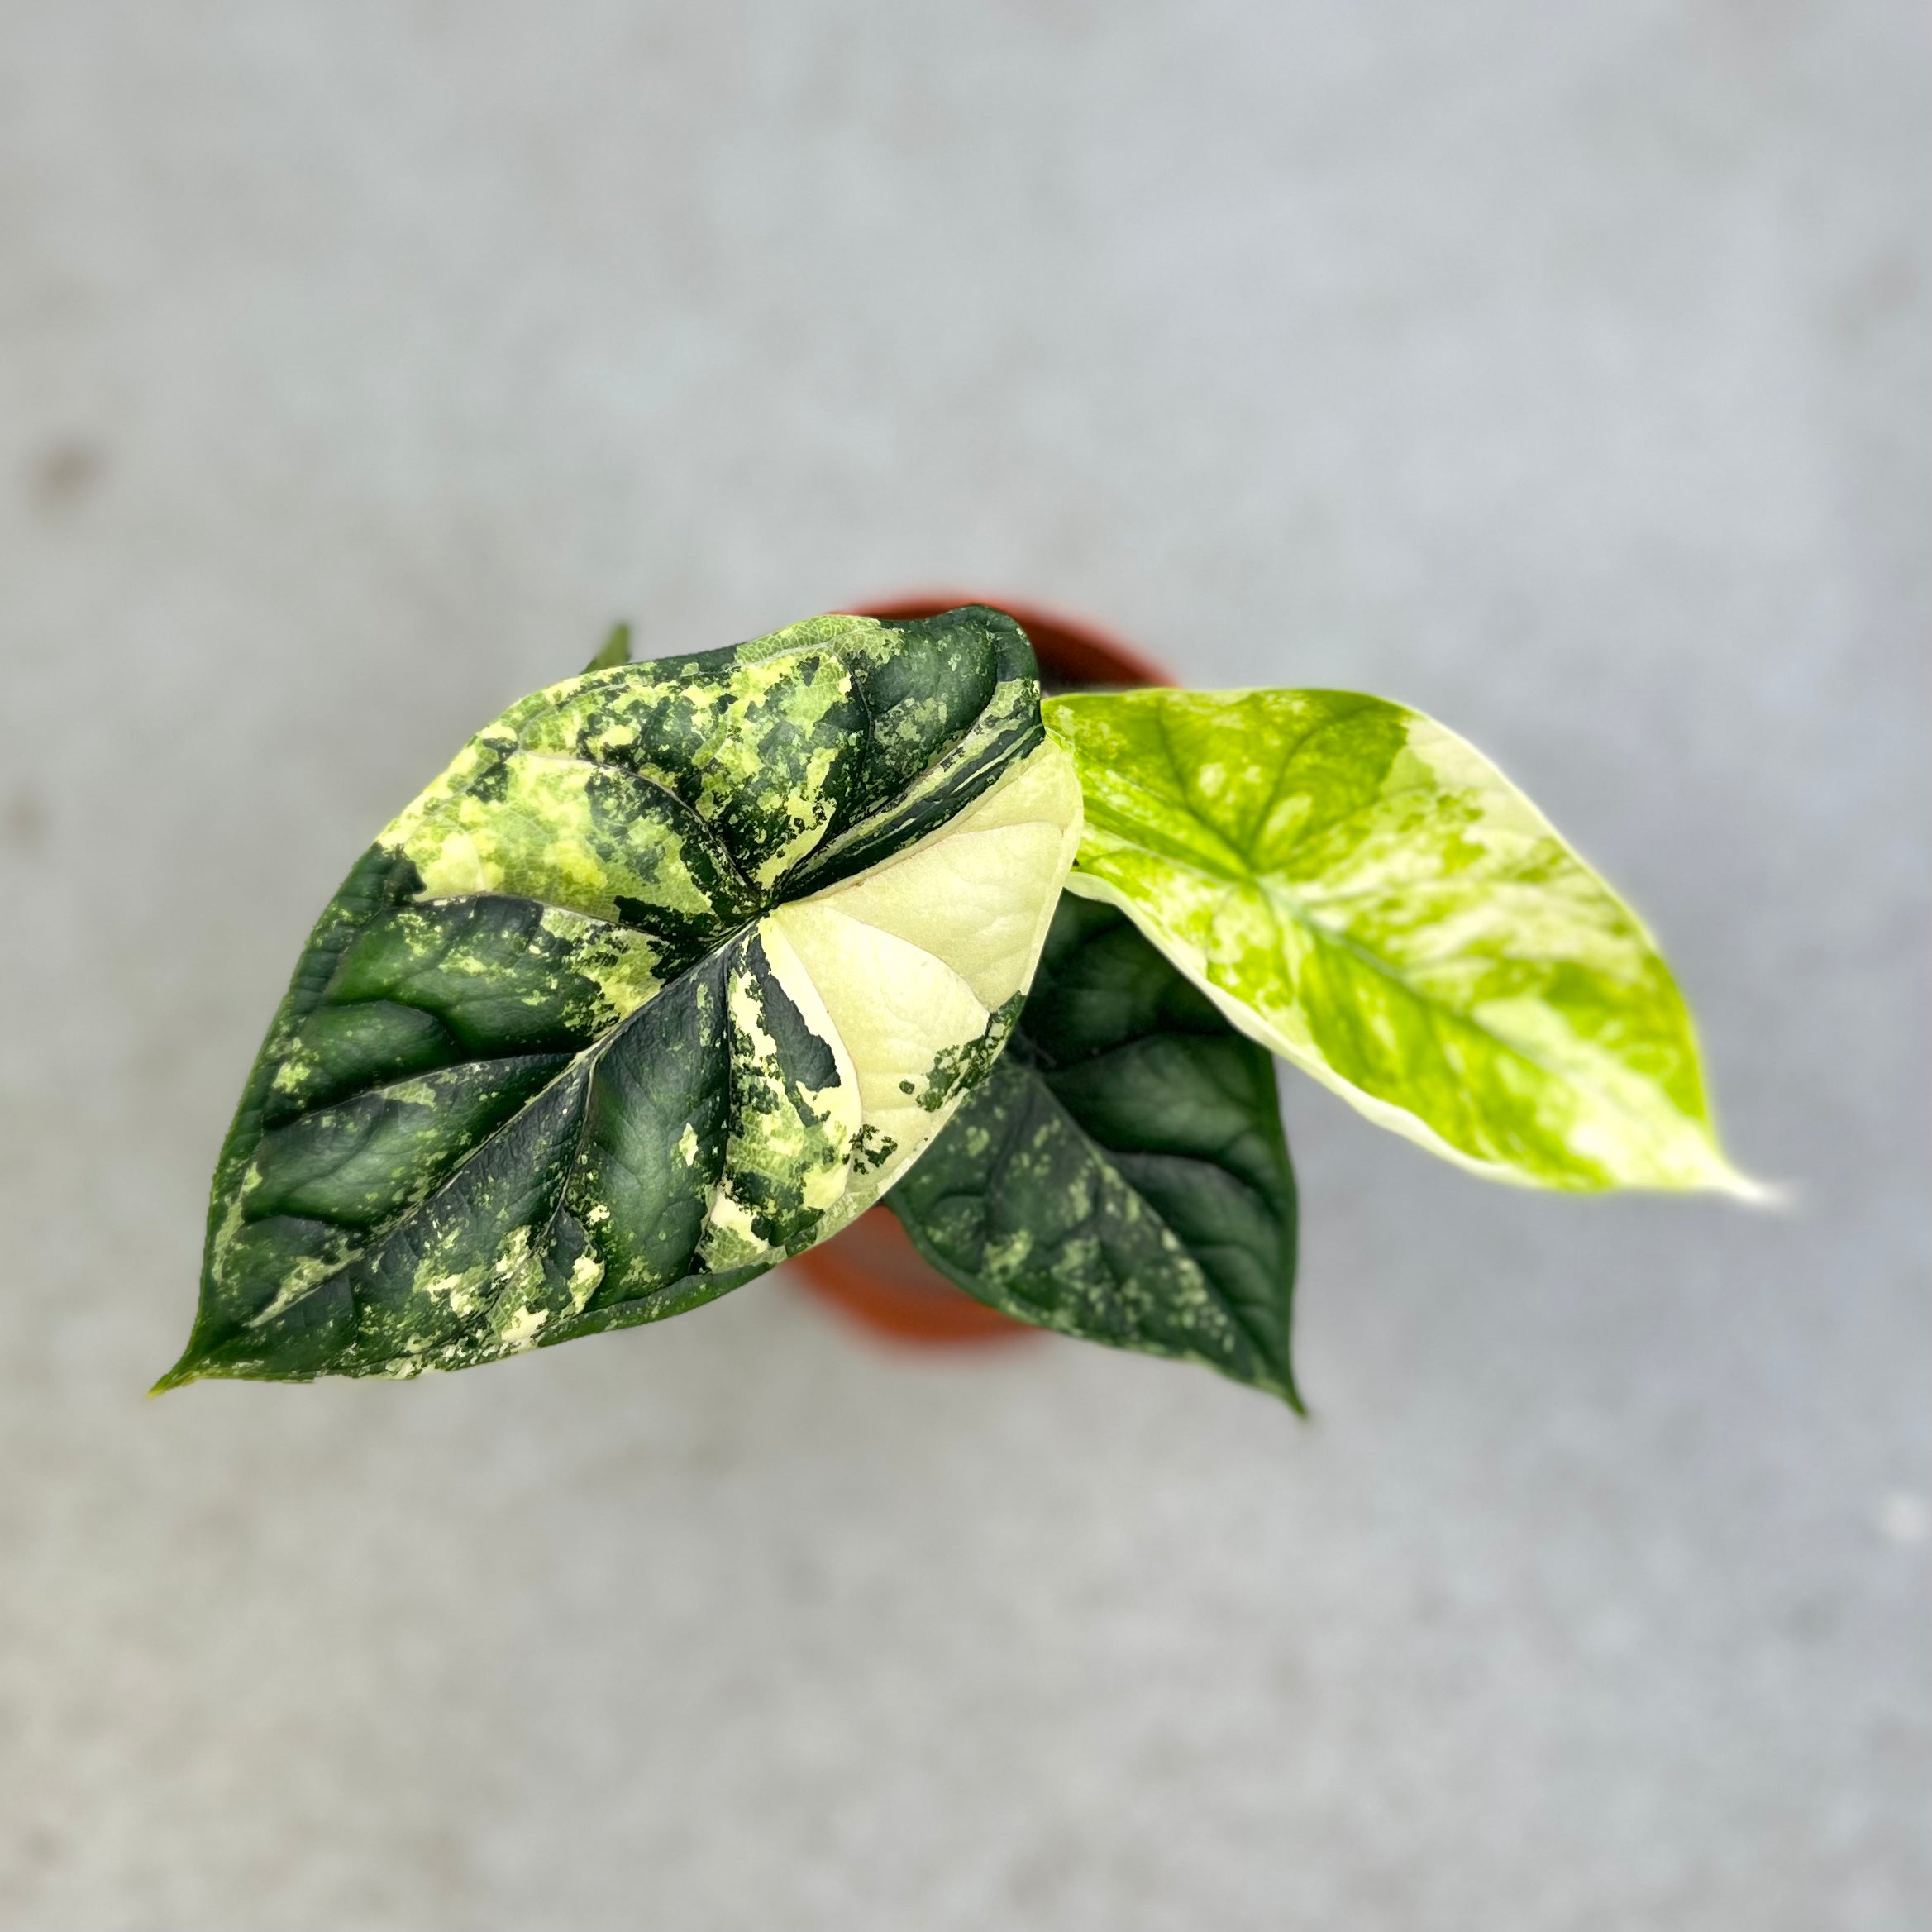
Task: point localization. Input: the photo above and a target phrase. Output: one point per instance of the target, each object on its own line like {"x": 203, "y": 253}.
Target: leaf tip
{"x": 192, "y": 1367}
{"x": 1776, "y": 1196}
{"x": 1720, "y": 1175}
{"x": 617, "y": 650}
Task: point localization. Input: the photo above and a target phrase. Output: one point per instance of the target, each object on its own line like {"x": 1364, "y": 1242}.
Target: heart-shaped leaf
{"x": 1122, "y": 1175}
{"x": 1364, "y": 894}
{"x": 667, "y": 977}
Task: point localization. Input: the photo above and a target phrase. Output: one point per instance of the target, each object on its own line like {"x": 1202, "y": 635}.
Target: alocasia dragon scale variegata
{"x": 682, "y": 965}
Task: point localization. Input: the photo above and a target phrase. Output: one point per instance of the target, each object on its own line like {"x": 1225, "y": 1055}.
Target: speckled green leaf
{"x": 668, "y": 977}
{"x": 1364, "y": 894}
{"x": 1121, "y": 1174}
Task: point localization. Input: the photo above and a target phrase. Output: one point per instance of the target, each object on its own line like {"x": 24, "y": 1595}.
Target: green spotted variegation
{"x": 1361, "y": 892}
{"x": 672, "y": 973}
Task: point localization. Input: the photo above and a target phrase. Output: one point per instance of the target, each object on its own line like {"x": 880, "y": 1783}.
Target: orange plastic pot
{"x": 871, "y": 1273}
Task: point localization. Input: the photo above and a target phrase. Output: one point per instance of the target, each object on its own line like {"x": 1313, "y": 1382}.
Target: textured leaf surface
{"x": 1121, "y": 1174}
{"x": 1361, "y": 892}
{"x": 674, "y": 969}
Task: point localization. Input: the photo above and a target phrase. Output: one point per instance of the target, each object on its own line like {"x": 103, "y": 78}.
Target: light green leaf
{"x": 1363, "y": 892}
{"x": 670, "y": 974}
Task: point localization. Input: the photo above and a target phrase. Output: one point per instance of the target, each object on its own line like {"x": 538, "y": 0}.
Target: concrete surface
{"x": 1562, "y": 370}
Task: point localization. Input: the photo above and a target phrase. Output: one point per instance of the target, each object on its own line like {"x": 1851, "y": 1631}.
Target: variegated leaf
{"x": 667, "y": 977}
{"x": 1364, "y": 894}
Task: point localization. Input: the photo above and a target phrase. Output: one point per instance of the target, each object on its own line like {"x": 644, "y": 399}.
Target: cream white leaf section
{"x": 980, "y": 894}
{"x": 919, "y": 964}
{"x": 897, "y": 1012}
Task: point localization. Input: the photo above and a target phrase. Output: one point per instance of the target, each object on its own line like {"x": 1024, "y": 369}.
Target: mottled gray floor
{"x": 1562, "y": 370}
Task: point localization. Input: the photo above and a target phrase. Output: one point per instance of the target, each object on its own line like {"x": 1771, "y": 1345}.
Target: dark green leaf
{"x": 1123, "y": 1175}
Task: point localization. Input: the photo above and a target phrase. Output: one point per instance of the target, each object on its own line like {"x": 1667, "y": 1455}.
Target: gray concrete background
{"x": 1562, "y": 370}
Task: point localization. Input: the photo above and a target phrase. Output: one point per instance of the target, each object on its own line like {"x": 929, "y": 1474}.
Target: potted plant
{"x": 681, "y": 966}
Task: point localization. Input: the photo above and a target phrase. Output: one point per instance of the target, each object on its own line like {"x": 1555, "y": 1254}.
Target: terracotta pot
{"x": 872, "y": 1273}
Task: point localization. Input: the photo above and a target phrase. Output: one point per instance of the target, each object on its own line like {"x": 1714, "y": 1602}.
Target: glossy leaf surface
{"x": 1121, "y": 1174}
{"x": 1365, "y": 894}
{"x": 668, "y": 977}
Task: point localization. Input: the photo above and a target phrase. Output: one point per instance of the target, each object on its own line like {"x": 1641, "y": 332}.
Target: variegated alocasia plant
{"x": 682, "y": 965}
